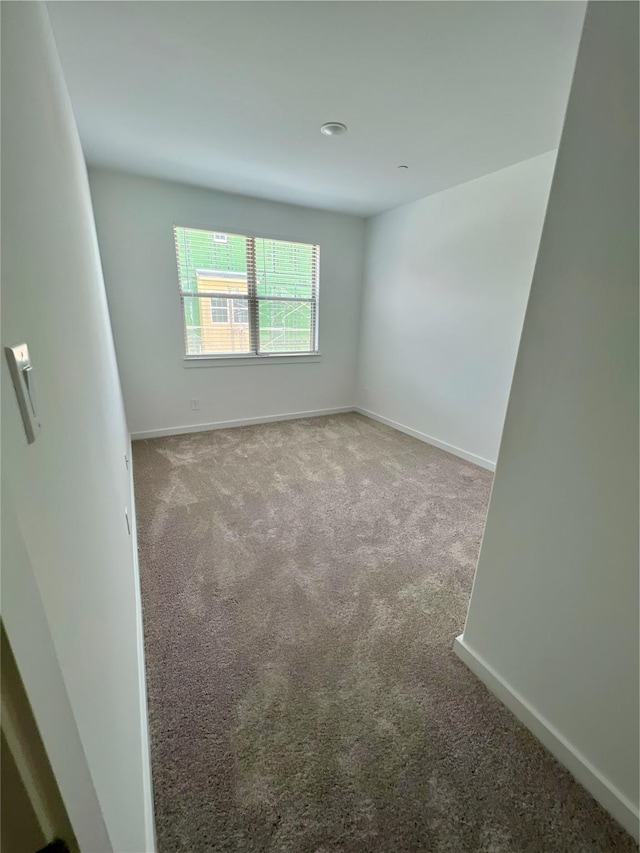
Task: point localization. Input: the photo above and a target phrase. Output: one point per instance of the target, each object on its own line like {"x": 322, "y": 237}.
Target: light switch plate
{"x": 21, "y": 371}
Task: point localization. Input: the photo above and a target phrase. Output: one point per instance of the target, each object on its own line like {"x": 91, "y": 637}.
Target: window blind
{"x": 246, "y": 295}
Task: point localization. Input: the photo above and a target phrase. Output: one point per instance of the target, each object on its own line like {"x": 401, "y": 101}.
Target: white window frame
{"x": 252, "y": 299}
{"x": 224, "y": 307}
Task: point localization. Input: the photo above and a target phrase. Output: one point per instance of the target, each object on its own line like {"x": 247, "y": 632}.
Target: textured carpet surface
{"x": 302, "y": 585}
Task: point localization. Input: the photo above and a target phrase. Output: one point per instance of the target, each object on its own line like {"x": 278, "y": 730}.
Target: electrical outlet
{"x": 195, "y": 405}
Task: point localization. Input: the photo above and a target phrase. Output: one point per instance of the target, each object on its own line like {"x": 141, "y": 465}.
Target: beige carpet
{"x": 302, "y": 584}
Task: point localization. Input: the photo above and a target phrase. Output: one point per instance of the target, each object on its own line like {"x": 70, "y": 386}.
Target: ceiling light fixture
{"x": 333, "y": 128}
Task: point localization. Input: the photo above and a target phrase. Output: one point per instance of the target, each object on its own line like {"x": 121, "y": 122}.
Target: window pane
{"x": 204, "y": 335}
{"x": 205, "y": 256}
{"x": 284, "y": 268}
{"x": 285, "y": 326}
{"x": 219, "y": 311}
{"x": 216, "y": 281}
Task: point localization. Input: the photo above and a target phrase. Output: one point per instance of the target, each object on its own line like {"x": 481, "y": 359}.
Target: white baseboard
{"x": 619, "y": 806}
{"x": 265, "y": 419}
{"x": 429, "y": 439}
{"x": 290, "y": 416}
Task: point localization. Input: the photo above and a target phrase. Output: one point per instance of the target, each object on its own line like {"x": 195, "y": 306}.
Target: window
{"x": 246, "y": 295}
{"x": 219, "y": 310}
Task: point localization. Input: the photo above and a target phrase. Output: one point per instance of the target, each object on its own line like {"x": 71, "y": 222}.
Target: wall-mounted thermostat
{"x": 22, "y": 375}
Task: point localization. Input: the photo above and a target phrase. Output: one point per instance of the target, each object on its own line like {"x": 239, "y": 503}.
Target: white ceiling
{"x": 231, "y": 95}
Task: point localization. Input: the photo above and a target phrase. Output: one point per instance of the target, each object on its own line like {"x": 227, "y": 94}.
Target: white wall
{"x": 554, "y": 610}
{"x": 69, "y": 581}
{"x": 446, "y": 286}
{"x": 135, "y": 218}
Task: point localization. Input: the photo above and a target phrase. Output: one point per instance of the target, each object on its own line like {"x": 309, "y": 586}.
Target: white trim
{"x": 250, "y": 358}
{"x": 265, "y": 419}
{"x": 429, "y": 439}
{"x": 613, "y": 800}
{"x": 147, "y": 779}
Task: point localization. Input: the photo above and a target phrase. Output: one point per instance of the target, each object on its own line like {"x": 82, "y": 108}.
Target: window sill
{"x": 249, "y": 360}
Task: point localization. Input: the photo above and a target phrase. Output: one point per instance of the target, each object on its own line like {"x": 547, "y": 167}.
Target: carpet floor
{"x": 302, "y": 585}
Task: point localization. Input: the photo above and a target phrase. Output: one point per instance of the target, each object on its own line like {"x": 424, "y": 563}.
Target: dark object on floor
{"x": 302, "y": 585}
{"x": 56, "y": 846}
